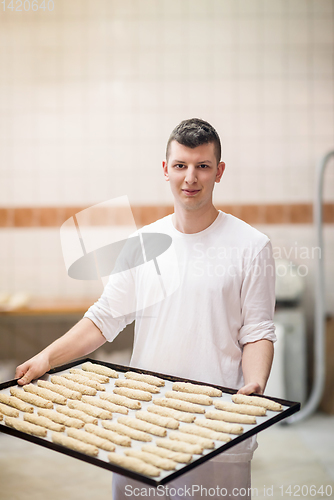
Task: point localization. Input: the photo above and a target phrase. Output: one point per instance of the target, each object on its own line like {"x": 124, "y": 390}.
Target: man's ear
{"x": 220, "y": 171}
{"x": 165, "y": 169}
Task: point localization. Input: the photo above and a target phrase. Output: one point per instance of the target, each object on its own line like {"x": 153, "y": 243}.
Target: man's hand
{"x": 33, "y": 368}
{"x": 251, "y": 388}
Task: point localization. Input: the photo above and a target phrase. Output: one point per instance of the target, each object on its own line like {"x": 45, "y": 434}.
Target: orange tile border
{"x": 278, "y": 213}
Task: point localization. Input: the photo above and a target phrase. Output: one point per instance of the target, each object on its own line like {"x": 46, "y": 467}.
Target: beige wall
{"x": 90, "y": 92}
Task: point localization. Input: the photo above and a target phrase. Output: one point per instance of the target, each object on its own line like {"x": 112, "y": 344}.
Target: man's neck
{"x": 189, "y": 222}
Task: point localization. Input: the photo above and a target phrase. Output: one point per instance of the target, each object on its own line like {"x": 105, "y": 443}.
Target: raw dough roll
{"x": 182, "y": 458}
{"x": 152, "y": 418}
{"x": 180, "y": 446}
{"x": 110, "y": 435}
{"x": 220, "y": 426}
{"x": 133, "y": 393}
{"x": 105, "y": 405}
{"x": 43, "y": 422}
{"x": 228, "y": 416}
{"x": 257, "y": 401}
{"x": 204, "y": 432}
{"x": 149, "y": 379}
{"x": 197, "y": 389}
{"x": 162, "y": 463}
{"x": 140, "y": 425}
{"x": 94, "y": 411}
{"x": 206, "y": 444}
{"x": 134, "y": 464}
{"x": 127, "y": 431}
{"x": 99, "y": 369}
{"x": 9, "y": 411}
{"x": 169, "y": 412}
{"x": 135, "y": 384}
{"x": 200, "y": 399}
{"x": 77, "y": 414}
{"x": 45, "y": 394}
{"x": 240, "y": 408}
{"x": 30, "y": 398}
{"x": 89, "y": 438}
{"x": 22, "y": 426}
{"x": 74, "y": 444}
{"x": 60, "y": 418}
{"x": 79, "y": 379}
{"x": 92, "y": 376}
{"x": 73, "y": 386}
{"x": 59, "y": 389}
{"x": 16, "y": 403}
{"x": 121, "y": 401}
{"x": 177, "y": 404}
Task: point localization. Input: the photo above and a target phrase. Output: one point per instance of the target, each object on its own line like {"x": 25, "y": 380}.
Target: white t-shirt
{"x": 220, "y": 295}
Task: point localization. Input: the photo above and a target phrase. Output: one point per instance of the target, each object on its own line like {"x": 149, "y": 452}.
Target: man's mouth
{"x": 191, "y": 192}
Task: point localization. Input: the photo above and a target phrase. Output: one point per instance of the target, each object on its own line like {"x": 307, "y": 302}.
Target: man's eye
{"x": 203, "y": 166}
{"x": 179, "y": 165}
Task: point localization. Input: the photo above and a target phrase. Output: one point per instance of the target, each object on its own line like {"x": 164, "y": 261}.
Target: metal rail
{"x": 319, "y": 316}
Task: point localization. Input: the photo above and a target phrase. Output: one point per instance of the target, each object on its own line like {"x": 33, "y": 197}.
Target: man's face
{"x": 192, "y": 173}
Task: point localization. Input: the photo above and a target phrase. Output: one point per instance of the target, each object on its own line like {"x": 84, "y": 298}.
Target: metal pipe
{"x": 319, "y": 315}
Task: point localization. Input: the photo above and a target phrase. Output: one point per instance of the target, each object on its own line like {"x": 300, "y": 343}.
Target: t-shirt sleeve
{"x": 116, "y": 307}
{"x": 258, "y": 298}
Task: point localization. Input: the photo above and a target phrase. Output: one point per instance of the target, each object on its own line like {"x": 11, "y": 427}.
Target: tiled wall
{"x": 90, "y": 92}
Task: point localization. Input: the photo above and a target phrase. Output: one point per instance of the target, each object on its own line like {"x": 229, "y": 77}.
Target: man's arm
{"x": 80, "y": 340}
{"x": 256, "y": 361}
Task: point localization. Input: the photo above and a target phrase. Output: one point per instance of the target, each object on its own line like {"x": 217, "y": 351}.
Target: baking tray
{"x": 264, "y": 422}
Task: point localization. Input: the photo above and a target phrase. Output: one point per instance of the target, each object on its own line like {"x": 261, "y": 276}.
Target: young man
{"x": 216, "y": 327}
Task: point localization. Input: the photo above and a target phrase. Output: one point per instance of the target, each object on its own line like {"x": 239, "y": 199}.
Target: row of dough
{"x": 104, "y": 406}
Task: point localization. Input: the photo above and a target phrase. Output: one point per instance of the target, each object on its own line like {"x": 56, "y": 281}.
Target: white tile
{"x": 273, "y": 61}
{"x": 249, "y": 93}
{"x": 323, "y": 62}
{"x": 299, "y": 122}
{"x": 322, "y": 93}
{"x": 275, "y": 191}
{"x": 299, "y": 93}
{"x": 249, "y": 63}
{"x": 322, "y": 31}
{"x": 275, "y": 7}
{"x": 226, "y": 8}
{"x": 225, "y": 93}
{"x": 298, "y": 30}
{"x": 255, "y": 7}
{"x": 250, "y": 31}
{"x": 274, "y": 30}
{"x": 224, "y": 32}
{"x": 323, "y": 122}
{"x": 273, "y": 123}
{"x": 322, "y": 7}
{"x": 274, "y": 152}
{"x": 273, "y": 93}
{"x": 298, "y": 7}
{"x": 298, "y": 62}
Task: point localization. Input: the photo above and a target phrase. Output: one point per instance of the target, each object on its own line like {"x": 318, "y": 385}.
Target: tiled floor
{"x": 296, "y": 455}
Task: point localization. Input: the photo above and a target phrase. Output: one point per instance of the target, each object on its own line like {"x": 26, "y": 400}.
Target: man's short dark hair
{"x": 195, "y": 132}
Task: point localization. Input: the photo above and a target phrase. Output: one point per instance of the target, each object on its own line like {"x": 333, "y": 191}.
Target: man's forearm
{"x": 257, "y": 359}
{"x": 80, "y": 340}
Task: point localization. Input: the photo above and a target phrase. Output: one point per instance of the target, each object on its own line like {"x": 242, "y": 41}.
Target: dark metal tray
{"x": 271, "y": 418}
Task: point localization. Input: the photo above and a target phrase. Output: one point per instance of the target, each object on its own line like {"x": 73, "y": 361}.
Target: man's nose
{"x": 191, "y": 176}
